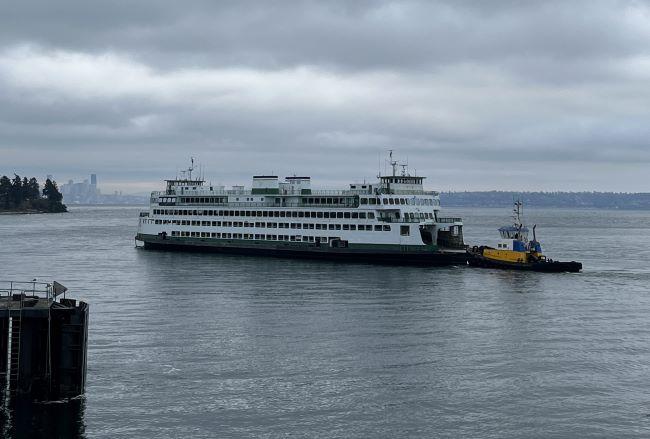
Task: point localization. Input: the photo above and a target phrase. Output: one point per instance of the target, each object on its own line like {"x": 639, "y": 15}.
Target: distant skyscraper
{"x": 93, "y": 179}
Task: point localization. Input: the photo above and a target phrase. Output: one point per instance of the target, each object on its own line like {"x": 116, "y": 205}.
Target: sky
{"x": 475, "y": 95}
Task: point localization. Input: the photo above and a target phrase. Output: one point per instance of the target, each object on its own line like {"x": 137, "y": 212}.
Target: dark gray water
{"x": 200, "y": 345}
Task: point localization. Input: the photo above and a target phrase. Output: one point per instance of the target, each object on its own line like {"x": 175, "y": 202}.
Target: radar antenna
{"x": 191, "y": 168}
{"x": 393, "y": 163}
{"x": 517, "y": 212}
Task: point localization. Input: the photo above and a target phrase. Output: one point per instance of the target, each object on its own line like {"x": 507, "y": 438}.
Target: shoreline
{"x": 26, "y": 212}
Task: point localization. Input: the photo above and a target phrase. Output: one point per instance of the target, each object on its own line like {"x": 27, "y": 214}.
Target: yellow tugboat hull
{"x": 505, "y": 255}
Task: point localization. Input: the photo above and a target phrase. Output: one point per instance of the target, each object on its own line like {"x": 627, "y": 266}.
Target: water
{"x": 200, "y": 345}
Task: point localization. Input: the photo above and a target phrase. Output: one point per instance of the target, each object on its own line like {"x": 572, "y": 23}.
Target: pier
{"x": 43, "y": 341}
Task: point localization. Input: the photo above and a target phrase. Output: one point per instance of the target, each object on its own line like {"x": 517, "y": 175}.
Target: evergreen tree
{"x": 5, "y": 192}
{"x": 33, "y": 189}
{"x": 16, "y": 193}
{"x": 51, "y": 191}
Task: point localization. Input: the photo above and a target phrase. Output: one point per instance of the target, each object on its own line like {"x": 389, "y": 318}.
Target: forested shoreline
{"x": 23, "y": 195}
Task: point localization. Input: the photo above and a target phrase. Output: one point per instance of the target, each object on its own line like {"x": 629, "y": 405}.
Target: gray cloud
{"x": 506, "y": 94}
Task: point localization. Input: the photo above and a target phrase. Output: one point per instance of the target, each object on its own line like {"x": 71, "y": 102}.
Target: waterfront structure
{"x": 393, "y": 220}
{"x": 43, "y": 341}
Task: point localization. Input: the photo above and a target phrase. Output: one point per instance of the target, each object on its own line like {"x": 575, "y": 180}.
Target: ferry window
{"x": 385, "y": 201}
{"x": 391, "y": 201}
{"x": 346, "y": 214}
{"x": 371, "y": 215}
{"x": 327, "y": 215}
{"x": 362, "y": 215}
{"x": 301, "y": 214}
{"x": 346, "y": 227}
{"x": 402, "y": 201}
{"x": 338, "y": 226}
{"x": 319, "y": 214}
{"x": 329, "y": 201}
{"x": 377, "y": 228}
{"x": 386, "y": 228}
{"x": 331, "y": 227}
{"x": 283, "y": 214}
{"x": 364, "y": 201}
{"x": 353, "y": 227}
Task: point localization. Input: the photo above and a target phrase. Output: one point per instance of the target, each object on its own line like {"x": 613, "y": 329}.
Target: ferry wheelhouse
{"x": 393, "y": 220}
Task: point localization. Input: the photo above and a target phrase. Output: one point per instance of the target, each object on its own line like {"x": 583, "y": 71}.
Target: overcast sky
{"x": 551, "y": 95}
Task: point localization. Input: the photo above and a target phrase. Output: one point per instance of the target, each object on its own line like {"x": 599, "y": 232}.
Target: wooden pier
{"x": 43, "y": 341}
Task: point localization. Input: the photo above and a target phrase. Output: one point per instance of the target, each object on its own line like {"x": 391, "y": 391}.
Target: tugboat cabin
{"x": 513, "y": 238}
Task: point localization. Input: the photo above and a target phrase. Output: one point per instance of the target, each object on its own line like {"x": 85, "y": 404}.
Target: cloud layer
{"x": 514, "y": 95}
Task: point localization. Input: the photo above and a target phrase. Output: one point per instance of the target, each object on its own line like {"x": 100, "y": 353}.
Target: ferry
{"x": 515, "y": 252}
{"x": 393, "y": 220}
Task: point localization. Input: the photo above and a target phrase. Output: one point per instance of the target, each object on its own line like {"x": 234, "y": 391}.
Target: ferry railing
{"x": 449, "y": 220}
{"x": 402, "y": 220}
{"x": 420, "y": 220}
{"x": 236, "y": 204}
{"x": 318, "y": 192}
{"x": 9, "y": 288}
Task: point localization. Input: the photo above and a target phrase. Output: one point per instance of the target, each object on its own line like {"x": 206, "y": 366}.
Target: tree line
{"x": 23, "y": 194}
{"x": 595, "y": 200}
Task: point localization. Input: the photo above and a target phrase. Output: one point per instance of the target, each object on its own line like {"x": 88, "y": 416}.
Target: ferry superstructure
{"x": 393, "y": 220}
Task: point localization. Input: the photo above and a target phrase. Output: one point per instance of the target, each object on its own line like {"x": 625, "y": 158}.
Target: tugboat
{"x": 515, "y": 252}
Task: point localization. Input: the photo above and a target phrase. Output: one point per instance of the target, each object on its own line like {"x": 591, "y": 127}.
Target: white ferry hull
{"x": 387, "y": 254}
